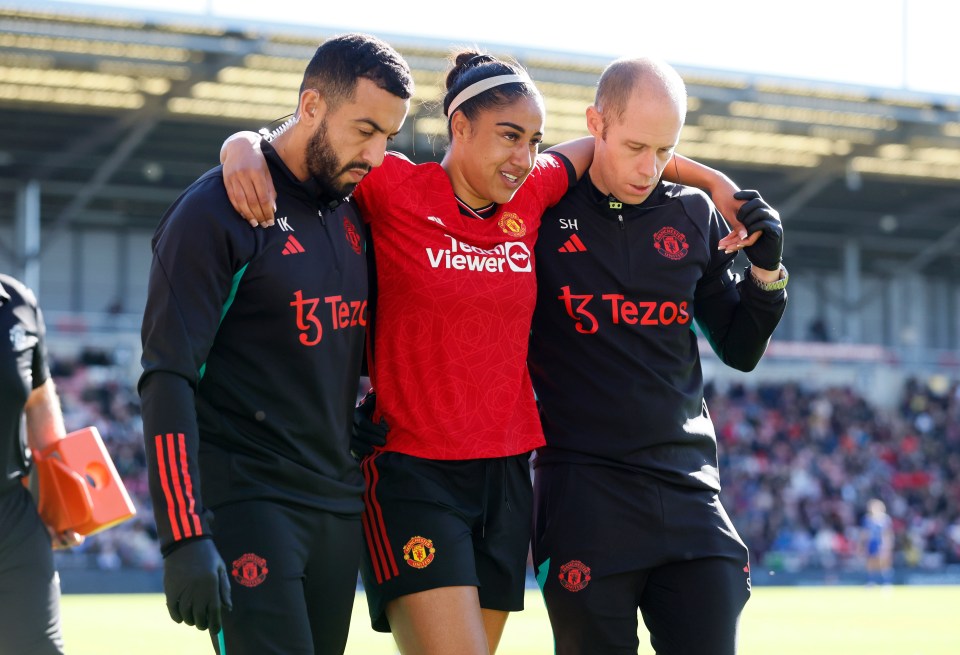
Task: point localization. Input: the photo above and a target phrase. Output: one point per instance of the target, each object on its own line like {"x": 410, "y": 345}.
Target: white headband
{"x": 477, "y": 88}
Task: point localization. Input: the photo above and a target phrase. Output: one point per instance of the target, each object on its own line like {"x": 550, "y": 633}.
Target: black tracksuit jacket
{"x": 252, "y": 345}
{"x": 23, "y": 368}
{"x": 613, "y": 354}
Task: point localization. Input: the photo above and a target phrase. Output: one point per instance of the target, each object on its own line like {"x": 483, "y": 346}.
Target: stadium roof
{"x": 114, "y": 113}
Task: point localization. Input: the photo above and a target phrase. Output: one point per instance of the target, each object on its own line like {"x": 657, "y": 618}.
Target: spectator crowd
{"x": 800, "y": 464}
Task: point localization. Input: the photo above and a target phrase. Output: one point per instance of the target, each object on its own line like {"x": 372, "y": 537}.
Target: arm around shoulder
{"x": 578, "y": 151}
{"x": 721, "y": 188}
{"x": 247, "y": 178}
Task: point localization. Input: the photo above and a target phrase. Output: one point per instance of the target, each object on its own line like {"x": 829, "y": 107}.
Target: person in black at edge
{"x": 252, "y": 347}
{"x": 29, "y": 584}
{"x": 627, "y": 508}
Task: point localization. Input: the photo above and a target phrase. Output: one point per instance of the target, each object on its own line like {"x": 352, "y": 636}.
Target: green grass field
{"x": 777, "y": 621}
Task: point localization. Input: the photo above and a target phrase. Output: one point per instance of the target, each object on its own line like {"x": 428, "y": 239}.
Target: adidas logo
{"x": 573, "y": 244}
{"x": 292, "y": 246}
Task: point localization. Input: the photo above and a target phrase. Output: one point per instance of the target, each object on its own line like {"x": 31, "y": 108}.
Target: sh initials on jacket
{"x": 573, "y": 244}
{"x": 284, "y": 224}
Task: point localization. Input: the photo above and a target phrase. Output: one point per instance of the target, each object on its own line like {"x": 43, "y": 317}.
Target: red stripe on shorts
{"x": 374, "y": 529}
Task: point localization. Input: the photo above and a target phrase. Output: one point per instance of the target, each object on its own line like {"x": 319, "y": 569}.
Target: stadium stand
{"x": 800, "y": 464}
{"x": 110, "y": 113}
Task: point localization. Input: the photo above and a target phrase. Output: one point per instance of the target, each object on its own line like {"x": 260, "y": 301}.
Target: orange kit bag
{"x": 79, "y": 487}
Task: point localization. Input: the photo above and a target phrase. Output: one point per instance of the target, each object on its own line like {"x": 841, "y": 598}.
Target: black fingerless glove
{"x": 757, "y": 216}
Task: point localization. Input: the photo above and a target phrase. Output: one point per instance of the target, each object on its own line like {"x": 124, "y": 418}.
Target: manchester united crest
{"x": 512, "y": 224}
{"x": 671, "y": 243}
{"x": 574, "y": 575}
{"x": 353, "y": 237}
{"x": 250, "y": 570}
{"x": 419, "y": 552}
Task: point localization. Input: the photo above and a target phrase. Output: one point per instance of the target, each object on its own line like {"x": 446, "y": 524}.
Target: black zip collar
{"x": 612, "y": 207}
{"x": 308, "y": 188}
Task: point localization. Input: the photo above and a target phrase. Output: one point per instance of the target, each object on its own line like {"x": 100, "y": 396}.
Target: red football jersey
{"x": 455, "y": 297}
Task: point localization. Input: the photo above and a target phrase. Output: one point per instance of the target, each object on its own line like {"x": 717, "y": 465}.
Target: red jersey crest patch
{"x": 512, "y": 224}
{"x": 671, "y": 243}
{"x": 250, "y": 570}
{"x": 419, "y": 552}
{"x": 574, "y": 575}
{"x": 353, "y": 237}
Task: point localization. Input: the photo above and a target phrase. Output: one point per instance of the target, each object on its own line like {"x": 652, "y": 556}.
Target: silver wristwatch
{"x": 776, "y": 285}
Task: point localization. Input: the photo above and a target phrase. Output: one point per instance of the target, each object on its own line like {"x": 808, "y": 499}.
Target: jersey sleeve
{"x": 373, "y": 192}
{"x": 736, "y": 316}
{"x": 198, "y": 251}
{"x": 555, "y": 175}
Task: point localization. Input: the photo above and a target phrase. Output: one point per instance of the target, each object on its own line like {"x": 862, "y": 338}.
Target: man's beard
{"x": 324, "y": 166}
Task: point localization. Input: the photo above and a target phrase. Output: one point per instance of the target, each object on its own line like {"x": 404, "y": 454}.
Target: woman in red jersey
{"x": 448, "y": 502}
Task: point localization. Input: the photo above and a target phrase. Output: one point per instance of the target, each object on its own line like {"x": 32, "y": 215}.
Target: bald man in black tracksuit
{"x": 252, "y": 350}
{"x": 628, "y": 514}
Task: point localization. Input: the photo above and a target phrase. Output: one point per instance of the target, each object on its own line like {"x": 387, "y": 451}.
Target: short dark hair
{"x": 624, "y": 78}
{"x": 340, "y": 62}
{"x": 469, "y": 67}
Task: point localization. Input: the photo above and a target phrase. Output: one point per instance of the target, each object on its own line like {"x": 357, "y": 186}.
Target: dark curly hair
{"x": 340, "y": 62}
{"x": 469, "y": 67}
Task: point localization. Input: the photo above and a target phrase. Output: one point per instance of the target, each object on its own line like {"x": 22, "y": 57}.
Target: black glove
{"x": 367, "y": 435}
{"x": 756, "y": 215}
{"x": 196, "y": 585}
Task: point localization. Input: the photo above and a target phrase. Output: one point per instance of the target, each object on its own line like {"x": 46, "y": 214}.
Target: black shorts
{"x": 29, "y": 584}
{"x": 435, "y": 523}
{"x": 293, "y": 577}
{"x": 609, "y": 542}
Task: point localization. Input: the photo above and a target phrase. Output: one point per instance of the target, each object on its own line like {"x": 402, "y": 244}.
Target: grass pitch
{"x": 777, "y": 621}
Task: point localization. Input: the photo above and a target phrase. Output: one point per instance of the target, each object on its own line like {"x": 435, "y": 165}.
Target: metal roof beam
{"x": 813, "y": 186}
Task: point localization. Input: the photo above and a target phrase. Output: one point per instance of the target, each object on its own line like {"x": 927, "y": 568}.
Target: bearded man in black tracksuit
{"x": 252, "y": 346}
{"x": 627, "y": 508}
